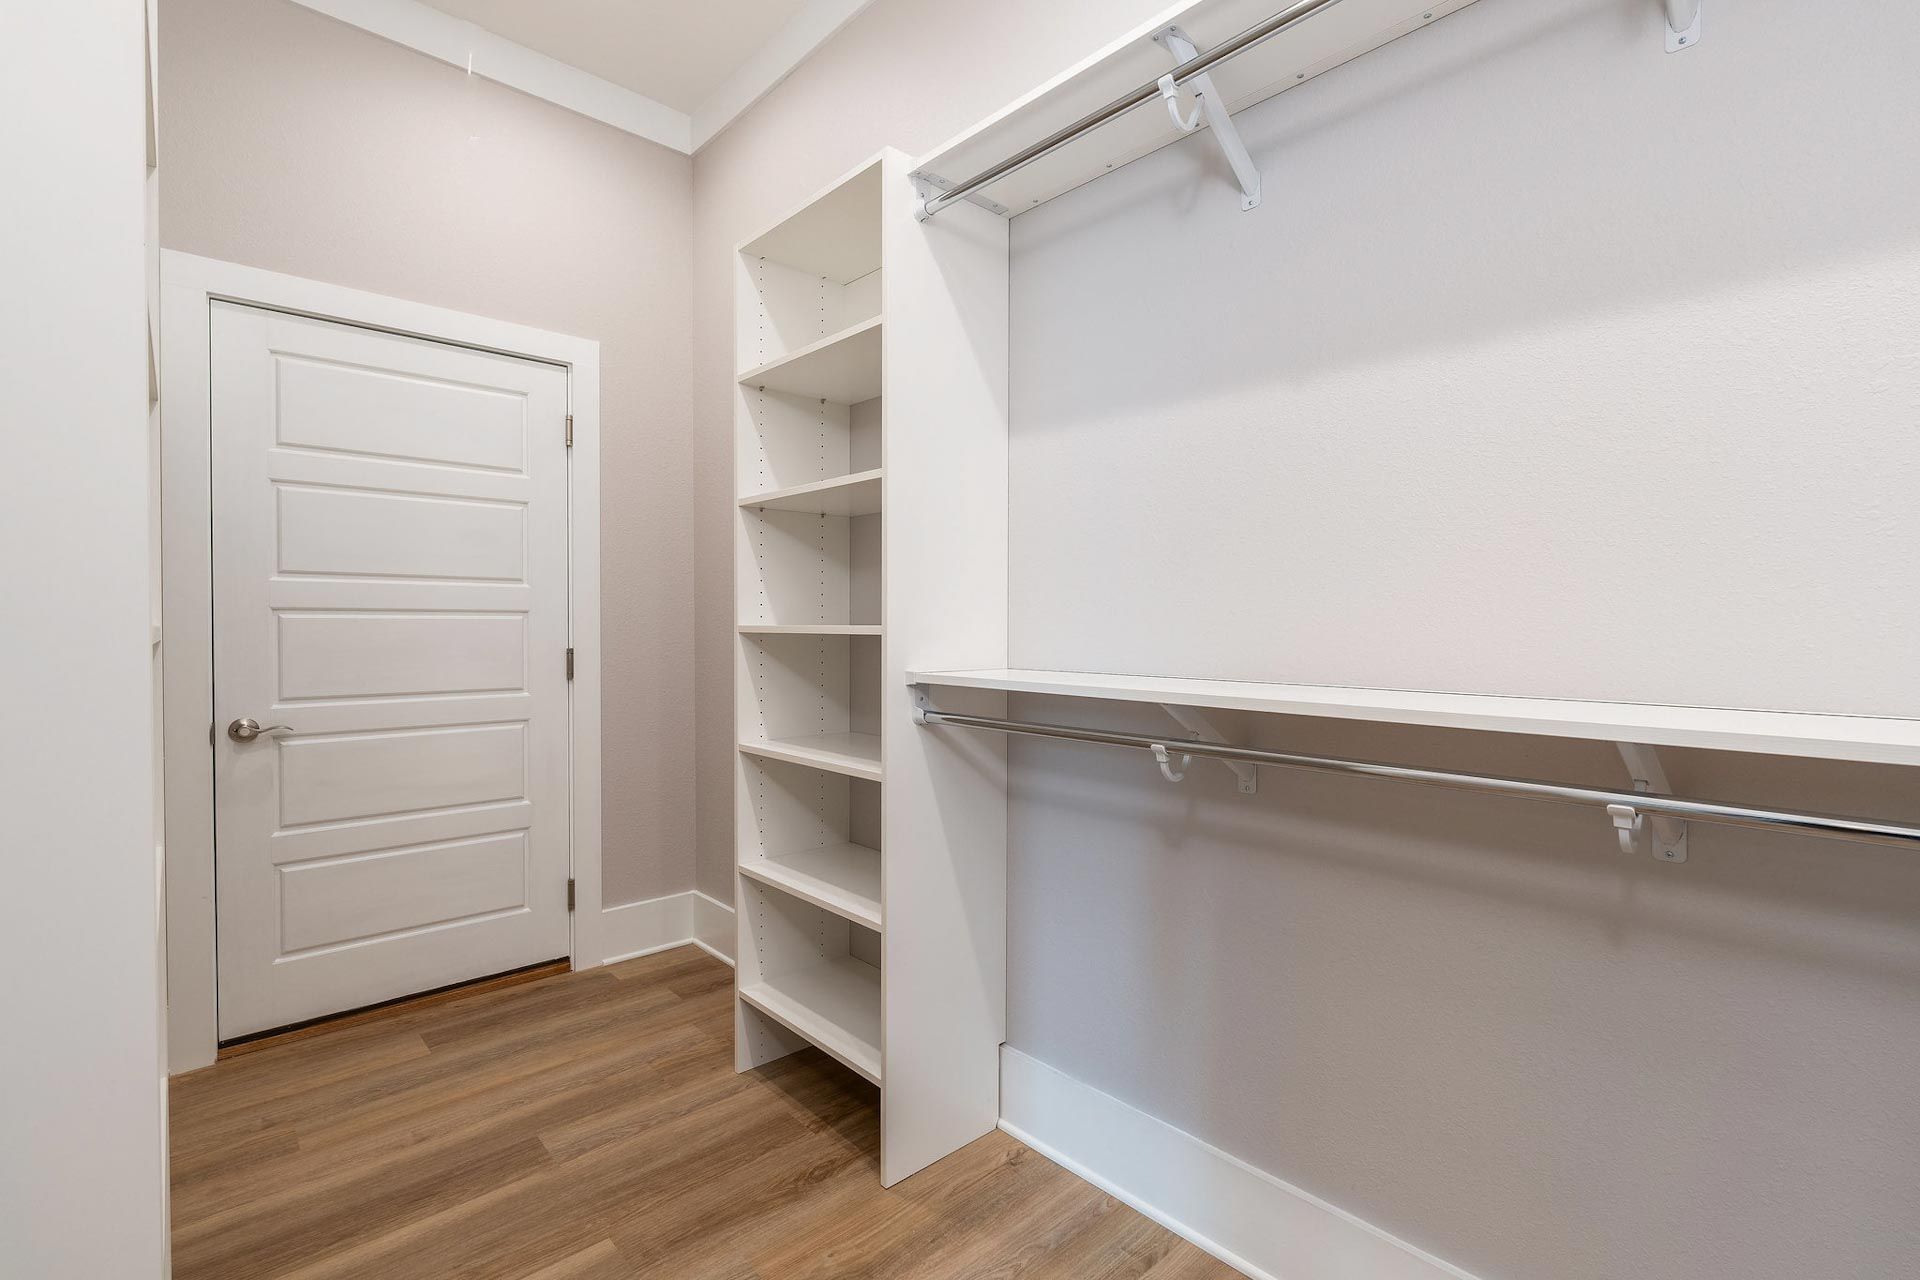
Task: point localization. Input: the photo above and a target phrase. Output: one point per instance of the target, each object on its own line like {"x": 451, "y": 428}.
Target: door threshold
{"x": 242, "y": 1045}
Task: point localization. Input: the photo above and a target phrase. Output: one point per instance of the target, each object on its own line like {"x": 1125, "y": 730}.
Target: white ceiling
{"x": 675, "y": 53}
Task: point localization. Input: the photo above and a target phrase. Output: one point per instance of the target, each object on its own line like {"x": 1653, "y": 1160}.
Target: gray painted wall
{"x": 299, "y": 144}
{"x": 1556, "y": 365}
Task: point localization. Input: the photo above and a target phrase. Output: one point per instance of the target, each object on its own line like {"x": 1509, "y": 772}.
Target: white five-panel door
{"x": 390, "y": 585}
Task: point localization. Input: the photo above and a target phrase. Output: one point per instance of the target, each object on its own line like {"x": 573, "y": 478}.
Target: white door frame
{"x": 189, "y": 285}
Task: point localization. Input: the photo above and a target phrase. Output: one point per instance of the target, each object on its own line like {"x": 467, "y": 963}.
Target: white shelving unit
{"x": 861, "y": 345}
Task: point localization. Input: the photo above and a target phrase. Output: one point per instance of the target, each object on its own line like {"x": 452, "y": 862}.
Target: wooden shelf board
{"x": 843, "y": 367}
{"x": 809, "y": 629}
{"x": 841, "y": 878}
{"x": 1323, "y": 42}
{"x": 835, "y": 1006}
{"x": 856, "y": 755}
{"x": 1875, "y": 739}
{"x": 851, "y": 495}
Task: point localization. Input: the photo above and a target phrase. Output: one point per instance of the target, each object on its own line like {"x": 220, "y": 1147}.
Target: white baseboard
{"x": 1248, "y": 1219}
{"x": 636, "y": 929}
{"x": 713, "y": 927}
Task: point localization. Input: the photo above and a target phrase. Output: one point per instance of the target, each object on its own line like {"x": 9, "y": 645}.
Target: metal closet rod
{"x": 1731, "y": 815}
{"x": 1149, "y": 92}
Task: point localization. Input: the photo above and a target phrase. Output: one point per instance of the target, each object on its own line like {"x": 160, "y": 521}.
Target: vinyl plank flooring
{"x": 601, "y": 1261}
{"x": 590, "y": 1126}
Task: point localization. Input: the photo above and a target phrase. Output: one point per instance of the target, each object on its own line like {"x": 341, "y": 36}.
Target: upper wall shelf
{"x": 837, "y": 236}
{"x": 1871, "y": 739}
{"x": 1324, "y": 41}
{"x": 843, "y": 367}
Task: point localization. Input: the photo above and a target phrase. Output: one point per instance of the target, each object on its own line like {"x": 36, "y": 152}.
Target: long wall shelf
{"x": 1873, "y": 739}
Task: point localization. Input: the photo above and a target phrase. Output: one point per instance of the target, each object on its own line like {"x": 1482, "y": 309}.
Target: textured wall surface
{"x": 302, "y": 145}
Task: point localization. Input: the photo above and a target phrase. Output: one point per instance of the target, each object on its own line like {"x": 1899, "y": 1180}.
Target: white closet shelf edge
{"x": 842, "y": 367}
{"x": 809, "y": 629}
{"x": 834, "y": 1006}
{"x": 850, "y": 495}
{"x": 856, "y": 755}
{"x": 841, "y": 878}
{"x": 1866, "y": 739}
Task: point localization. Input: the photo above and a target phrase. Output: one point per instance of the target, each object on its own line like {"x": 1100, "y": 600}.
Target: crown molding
{"x": 479, "y": 52}
{"x": 473, "y": 49}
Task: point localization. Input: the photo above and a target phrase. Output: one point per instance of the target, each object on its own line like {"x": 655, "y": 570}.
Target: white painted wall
{"x": 1552, "y": 364}
{"x": 82, "y": 1176}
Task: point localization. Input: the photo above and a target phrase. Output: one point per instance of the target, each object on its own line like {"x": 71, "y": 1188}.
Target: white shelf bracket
{"x": 921, "y": 703}
{"x": 1683, "y": 23}
{"x": 1195, "y": 722}
{"x": 1210, "y": 105}
{"x": 1669, "y": 835}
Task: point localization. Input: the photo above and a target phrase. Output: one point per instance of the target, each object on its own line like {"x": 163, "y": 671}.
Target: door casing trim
{"x": 189, "y": 285}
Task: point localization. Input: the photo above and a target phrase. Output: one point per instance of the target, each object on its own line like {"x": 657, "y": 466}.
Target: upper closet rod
{"x": 1149, "y": 92}
{"x": 1614, "y": 801}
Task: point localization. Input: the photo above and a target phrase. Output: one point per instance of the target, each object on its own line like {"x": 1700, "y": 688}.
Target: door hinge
{"x": 569, "y": 431}
{"x": 569, "y": 662}
{"x": 569, "y": 895}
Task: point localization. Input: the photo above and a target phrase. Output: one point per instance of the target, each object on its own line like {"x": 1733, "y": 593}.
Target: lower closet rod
{"x": 1732, "y": 815}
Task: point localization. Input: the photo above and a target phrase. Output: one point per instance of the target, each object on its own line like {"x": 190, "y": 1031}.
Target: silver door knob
{"x": 246, "y": 729}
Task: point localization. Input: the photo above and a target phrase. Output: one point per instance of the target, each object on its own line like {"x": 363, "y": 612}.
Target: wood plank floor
{"x": 590, "y": 1127}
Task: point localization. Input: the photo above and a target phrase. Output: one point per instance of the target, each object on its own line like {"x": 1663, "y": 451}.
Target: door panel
{"x": 363, "y": 775}
{"x": 361, "y": 895}
{"x": 343, "y": 531}
{"x": 390, "y": 569}
{"x": 378, "y": 413}
{"x": 346, "y": 655}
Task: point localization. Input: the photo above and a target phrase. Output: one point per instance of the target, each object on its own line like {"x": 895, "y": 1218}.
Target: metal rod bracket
{"x": 1683, "y": 23}
{"x": 922, "y": 704}
{"x": 1213, "y": 108}
{"x": 1668, "y": 836}
{"x": 1165, "y": 760}
{"x": 1196, "y": 722}
{"x": 929, "y": 185}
